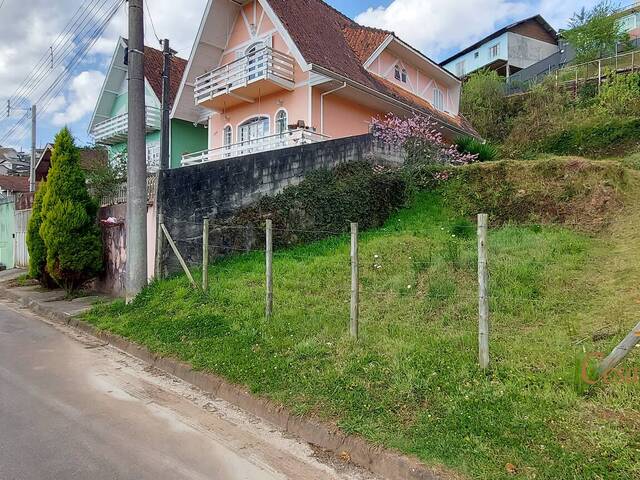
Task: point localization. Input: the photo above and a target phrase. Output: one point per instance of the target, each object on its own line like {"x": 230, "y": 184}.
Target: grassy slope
{"x": 411, "y": 382}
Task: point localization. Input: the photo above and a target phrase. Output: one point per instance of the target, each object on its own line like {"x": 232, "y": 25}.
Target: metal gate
{"x": 21, "y": 251}
{"x": 6, "y": 233}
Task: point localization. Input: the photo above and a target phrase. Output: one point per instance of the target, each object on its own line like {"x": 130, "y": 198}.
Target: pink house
{"x": 269, "y": 74}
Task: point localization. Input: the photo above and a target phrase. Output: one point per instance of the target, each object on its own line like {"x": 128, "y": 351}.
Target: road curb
{"x": 386, "y": 463}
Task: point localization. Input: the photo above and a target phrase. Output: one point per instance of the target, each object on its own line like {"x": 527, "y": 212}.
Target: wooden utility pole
{"x": 159, "y": 247}
{"x": 137, "y": 157}
{"x": 269, "y": 267}
{"x": 483, "y": 292}
{"x": 355, "y": 283}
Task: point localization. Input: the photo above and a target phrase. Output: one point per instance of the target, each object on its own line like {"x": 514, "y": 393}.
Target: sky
{"x": 28, "y": 28}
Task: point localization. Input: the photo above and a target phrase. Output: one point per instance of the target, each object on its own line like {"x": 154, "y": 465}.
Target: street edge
{"x": 378, "y": 460}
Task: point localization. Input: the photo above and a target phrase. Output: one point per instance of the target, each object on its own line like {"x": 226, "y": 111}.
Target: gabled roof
{"x": 13, "y": 183}
{"x": 497, "y": 33}
{"x": 153, "y": 60}
{"x": 333, "y": 41}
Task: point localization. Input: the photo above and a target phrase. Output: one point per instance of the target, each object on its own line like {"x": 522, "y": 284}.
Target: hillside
{"x": 565, "y": 269}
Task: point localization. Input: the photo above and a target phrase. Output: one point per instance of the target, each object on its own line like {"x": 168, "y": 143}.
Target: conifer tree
{"x": 69, "y": 227}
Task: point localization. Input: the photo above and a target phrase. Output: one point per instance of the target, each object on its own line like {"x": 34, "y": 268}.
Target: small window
{"x": 438, "y": 99}
{"x": 227, "y": 135}
{"x": 494, "y": 51}
{"x": 476, "y": 54}
{"x": 460, "y": 68}
{"x": 404, "y": 76}
{"x": 281, "y": 122}
{"x": 397, "y": 73}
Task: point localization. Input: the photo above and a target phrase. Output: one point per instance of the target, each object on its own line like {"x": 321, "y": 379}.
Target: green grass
{"x": 411, "y": 382}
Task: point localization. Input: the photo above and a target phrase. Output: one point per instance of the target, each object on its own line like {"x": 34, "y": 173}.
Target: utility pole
{"x": 137, "y": 161}
{"x": 32, "y": 167}
{"x": 166, "y": 82}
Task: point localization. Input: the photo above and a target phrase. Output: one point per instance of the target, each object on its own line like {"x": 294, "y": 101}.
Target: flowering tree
{"x": 420, "y": 137}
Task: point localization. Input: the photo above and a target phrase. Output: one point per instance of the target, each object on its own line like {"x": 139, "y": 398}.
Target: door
{"x": 251, "y": 135}
{"x": 256, "y": 61}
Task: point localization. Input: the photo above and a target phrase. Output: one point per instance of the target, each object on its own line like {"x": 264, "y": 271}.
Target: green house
{"x": 109, "y": 123}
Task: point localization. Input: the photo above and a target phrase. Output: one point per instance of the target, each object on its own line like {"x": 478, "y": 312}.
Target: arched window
{"x": 397, "y": 73}
{"x": 404, "y": 75}
{"x": 256, "y": 60}
{"x": 281, "y": 122}
{"x": 227, "y": 135}
{"x": 253, "y": 129}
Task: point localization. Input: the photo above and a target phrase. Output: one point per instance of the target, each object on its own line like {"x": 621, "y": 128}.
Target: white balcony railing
{"x": 287, "y": 139}
{"x": 263, "y": 64}
{"x": 115, "y": 129}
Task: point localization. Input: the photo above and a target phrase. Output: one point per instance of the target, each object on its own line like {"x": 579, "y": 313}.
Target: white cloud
{"x": 439, "y": 27}
{"x": 83, "y": 95}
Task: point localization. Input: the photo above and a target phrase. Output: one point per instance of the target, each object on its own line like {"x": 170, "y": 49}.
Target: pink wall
{"x": 419, "y": 83}
{"x": 342, "y": 117}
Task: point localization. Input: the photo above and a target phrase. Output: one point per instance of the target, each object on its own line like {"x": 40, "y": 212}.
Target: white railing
{"x": 291, "y": 138}
{"x": 119, "y": 194}
{"x": 265, "y": 63}
{"x": 118, "y": 126}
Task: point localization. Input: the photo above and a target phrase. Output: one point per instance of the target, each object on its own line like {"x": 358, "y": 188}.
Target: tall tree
{"x": 596, "y": 32}
{"x": 69, "y": 227}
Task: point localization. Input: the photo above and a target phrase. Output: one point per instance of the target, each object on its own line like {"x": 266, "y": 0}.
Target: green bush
{"x": 69, "y": 229}
{"x": 595, "y": 139}
{"x": 484, "y": 103}
{"x": 485, "y": 151}
{"x": 326, "y": 201}
{"x": 620, "y": 95}
{"x": 35, "y": 243}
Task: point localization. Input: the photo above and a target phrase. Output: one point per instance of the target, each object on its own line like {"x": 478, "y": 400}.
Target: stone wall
{"x": 219, "y": 189}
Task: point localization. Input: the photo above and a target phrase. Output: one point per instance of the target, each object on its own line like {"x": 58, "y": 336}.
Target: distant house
{"x": 630, "y": 20}
{"x": 11, "y": 184}
{"x": 507, "y": 50}
{"x": 90, "y": 159}
{"x": 13, "y": 162}
{"x": 108, "y": 124}
{"x": 270, "y": 74}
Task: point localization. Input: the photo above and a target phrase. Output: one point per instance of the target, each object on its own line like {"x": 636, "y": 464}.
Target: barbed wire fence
{"x": 270, "y": 243}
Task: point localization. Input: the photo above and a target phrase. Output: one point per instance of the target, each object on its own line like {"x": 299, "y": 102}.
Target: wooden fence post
{"x": 159, "y": 247}
{"x": 180, "y": 259}
{"x": 621, "y": 351}
{"x": 269, "y": 267}
{"x": 205, "y": 254}
{"x": 483, "y": 292}
{"x": 355, "y": 287}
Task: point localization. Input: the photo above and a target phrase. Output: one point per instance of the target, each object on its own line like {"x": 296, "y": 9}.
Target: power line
{"x": 89, "y": 38}
{"x": 153, "y": 27}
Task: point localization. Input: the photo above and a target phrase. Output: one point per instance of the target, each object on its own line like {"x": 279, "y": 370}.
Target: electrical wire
{"x": 153, "y": 27}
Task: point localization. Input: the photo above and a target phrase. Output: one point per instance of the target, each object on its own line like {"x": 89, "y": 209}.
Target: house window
{"x": 494, "y": 51}
{"x": 460, "y": 68}
{"x": 153, "y": 156}
{"x": 281, "y": 122}
{"x": 253, "y": 129}
{"x": 227, "y": 135}
{"x": 438, "y": 99}
{"x": 397, "y": 73}
{"x": 404, "y": 76}
{"x": 476, "y": 54}
{"x": 256, "y": 60}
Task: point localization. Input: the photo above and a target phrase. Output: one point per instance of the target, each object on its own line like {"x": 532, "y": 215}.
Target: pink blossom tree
{"x": 421, "y": 139}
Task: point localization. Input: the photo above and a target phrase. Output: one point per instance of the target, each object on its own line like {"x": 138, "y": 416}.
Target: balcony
{"x": 291, "y": 138}
{"x": 115, "y": 130}
{"x": 260, "y": 73}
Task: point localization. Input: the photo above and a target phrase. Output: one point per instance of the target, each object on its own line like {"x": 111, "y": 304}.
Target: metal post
{"x": 483, "y": 292}
{"x": 136, "y": 162}
{"x": 355, "y": 284}
{"x": 205, "y": 254}
{"x": 269, "y": 267}
{"x": 165, "y": 128}
{"x": 32, "y": 168}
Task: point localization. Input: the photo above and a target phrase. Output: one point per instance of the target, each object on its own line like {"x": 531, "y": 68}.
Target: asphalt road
{"x": 72, "y": 408}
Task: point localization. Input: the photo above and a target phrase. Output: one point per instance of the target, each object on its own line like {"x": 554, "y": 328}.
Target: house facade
{"x": 507, "y": 50}
{"x": 629, "y": 19}
{"x": 269, "y": 74}
{"x": 108, "y": 124}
